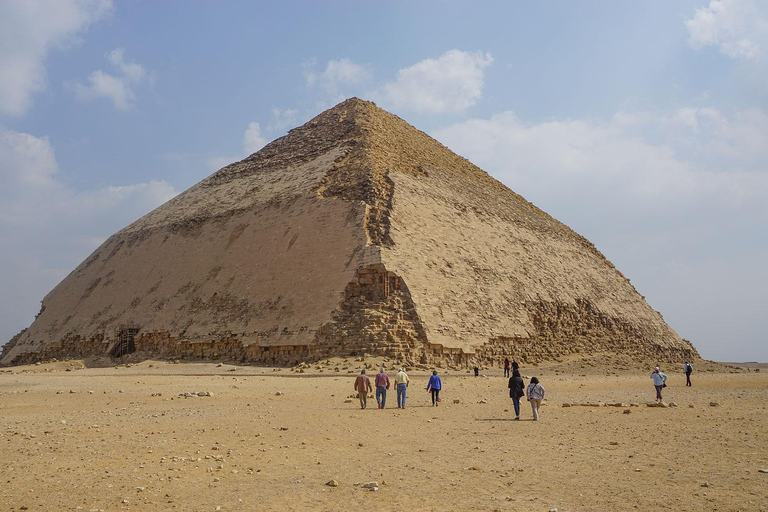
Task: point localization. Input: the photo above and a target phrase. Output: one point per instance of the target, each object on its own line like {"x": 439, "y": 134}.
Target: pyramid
{"x": 354, "y": 234}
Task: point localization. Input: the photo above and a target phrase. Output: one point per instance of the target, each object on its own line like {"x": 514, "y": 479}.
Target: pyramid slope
{"x": 355, "y": 233}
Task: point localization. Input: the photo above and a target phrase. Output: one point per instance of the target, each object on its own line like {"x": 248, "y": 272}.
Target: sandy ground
{"x": 121, "y": 438}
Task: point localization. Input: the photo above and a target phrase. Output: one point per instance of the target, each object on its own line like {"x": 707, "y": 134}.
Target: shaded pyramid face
{"x": 354, "y": 234}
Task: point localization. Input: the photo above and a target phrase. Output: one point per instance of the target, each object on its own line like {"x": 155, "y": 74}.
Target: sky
{"x": 641, "y": 125}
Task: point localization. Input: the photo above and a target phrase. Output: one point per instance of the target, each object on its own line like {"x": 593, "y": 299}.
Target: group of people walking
{"x": 517, "y": 388}
{"x": 363, "y": 387}
{"x": 516, "y": 385}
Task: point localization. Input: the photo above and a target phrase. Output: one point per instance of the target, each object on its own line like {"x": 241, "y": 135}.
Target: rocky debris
{"x": 714, "y": 404}
{"x": 371, "y": 486}
{"x": 627, "y": 411}
{"x": 193, "y": 395}
{"x": 456, "y": 401}
{"x": 657, "y": 404}
{"x": 332, "y": 483}
{"x": 762, "y": 470}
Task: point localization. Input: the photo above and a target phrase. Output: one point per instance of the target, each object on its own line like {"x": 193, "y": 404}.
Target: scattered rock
{"x": 657, "y": 404}
{"x": 714, "y": 404}
{"x": 483, "y": 401}
{"x": 627, "y": 411}
{"x": 456, "y": 401}
{"x": 204, "y": 393}
{"x": 371, "y": 485}
{"x": 332, "y": 483}
{"x": 279, "y": 393}
{"x": 762, "y": 470}
{"x": 705, "y": 484}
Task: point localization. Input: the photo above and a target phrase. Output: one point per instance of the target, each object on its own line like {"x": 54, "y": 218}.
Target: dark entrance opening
{"x": 125, "y": 344}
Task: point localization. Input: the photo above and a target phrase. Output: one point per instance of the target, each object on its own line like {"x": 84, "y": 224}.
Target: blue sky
{"x": 642, "y": 125}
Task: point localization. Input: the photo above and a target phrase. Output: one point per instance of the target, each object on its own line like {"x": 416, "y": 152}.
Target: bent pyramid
{"x": 353, "y": 234}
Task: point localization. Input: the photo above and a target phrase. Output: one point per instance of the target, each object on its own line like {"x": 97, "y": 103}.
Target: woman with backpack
{"x": 535, "y": 394}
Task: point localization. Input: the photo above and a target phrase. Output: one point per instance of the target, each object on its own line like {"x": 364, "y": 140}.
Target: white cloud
{"x": 572, "y": 162}
{"x": 29, "y": 30}
{"x": 252, "y": 138}
{"x": 337, "y": 74}
{"x": 47, "y": 228}
{"x": 739, "y": 28}
{"x": 451, "y": 83}
{"x": 283, "y": 120}
{"x": 119, "y": 89}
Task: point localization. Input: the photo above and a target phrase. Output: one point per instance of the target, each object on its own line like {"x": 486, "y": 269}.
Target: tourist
{"x": 659, "y": 381}
{"x": 434, "y": 386}
{"x": 402, "y": 381}
{"x": 382, "y": 385}
{"x": 506, "y": 367}
{"x": 515, "y": 366}
{"x": 477, "y": 371}
{"x": 516, "y": 390}
{"x": 688, "y": 369}
{"x": 363, "y": 386}
{"x": 535, "y": 396}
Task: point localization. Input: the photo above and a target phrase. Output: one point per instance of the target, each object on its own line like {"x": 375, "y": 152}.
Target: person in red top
{"x": 363, "y": 386}
{"x": 382, "y": 385}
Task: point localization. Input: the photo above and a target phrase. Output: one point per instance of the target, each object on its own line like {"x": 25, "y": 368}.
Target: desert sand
{"x": 76, "y": 436}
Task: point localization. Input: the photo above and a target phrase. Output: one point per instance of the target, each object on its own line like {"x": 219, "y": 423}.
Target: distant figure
{"x": 402, "y": 381}
{"x": 516, "y": 391}
{"x": 659, "y": 381}
{"x": 362, "y": 386}
{"x": 434, "y": 386}
{"x": 515, "y": 366}
{"x": 535, "y": 396}
{"x": 688, "y": 369}
{"x": 382, "y": 385}
{"x": 506, "y": 367}
{"x": 477, "y": 371}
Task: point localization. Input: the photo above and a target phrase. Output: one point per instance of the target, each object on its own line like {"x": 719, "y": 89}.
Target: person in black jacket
{"x": 516, "y": 391}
